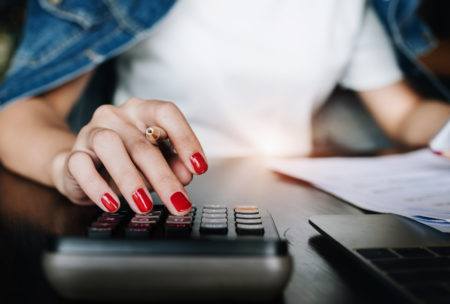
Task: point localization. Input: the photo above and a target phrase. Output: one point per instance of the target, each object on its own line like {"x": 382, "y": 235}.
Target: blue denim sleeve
{"x": 63, "y": 39}
{"x": 410, "y": 38}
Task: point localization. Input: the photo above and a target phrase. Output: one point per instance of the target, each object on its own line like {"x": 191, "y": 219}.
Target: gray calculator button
{"x": 215, "y": 206}
{"x": 214, "y": 215}
{"x": 247, "y": 216}
{"x": 248, "y": 221}
{"x": 219, "y": 210}
{"x": 214, "y": 220}
{"x": 244, "y": 229}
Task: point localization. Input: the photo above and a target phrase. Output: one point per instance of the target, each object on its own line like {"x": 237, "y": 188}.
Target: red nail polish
{"x": 143, "y": 202}
{"x": 180, "y": 202}
{"x": 109, "y": 202}
{"x": 199, "y": 163}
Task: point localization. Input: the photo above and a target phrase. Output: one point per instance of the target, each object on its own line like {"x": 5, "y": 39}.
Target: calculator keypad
{"x": 214, "y": 219}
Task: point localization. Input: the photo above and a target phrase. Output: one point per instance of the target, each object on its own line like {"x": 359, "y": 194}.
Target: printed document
{"x": 414, "y": 184}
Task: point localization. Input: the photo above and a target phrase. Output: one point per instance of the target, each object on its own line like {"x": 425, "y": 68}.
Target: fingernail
{"x": 109, "y": 202}
{"x": 142, "y": 201}
{"x": 199, "y": 163}
{"x": 180, "y": 202}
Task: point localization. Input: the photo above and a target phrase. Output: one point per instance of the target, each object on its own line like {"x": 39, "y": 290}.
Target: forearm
{"x": 33, "y": 133}
{"x": 422, "y": 123}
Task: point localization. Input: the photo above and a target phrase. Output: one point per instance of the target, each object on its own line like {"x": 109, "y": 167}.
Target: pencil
{"x": 155, "y": 134}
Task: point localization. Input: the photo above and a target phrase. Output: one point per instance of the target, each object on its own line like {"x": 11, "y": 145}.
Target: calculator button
{"x": 214, "y": 211}
{"x": 214, "y": 220}
{"x": 150, "y": 216}
{"x": 247, "y": 216}
{"x": 206, "y": 228}
{"x": 248, "y": 221}
{"x": 244, "y": 229}
{"x": 143, "y": 220}
{"x": 245, "y": 207}
{"x": 177, "y": 230}
{"x": 141, "y": 225}
{"x": 137, "y": 232}
{"x": 214, "y": 206}
{"x": 246, "y": 211}
{"x": 214, "y": 215}
{"x": 100, "y": 232}
{"x": 103, "y": 224}
{"x": 179, "y": 220}
{"x": 108, "y": 219}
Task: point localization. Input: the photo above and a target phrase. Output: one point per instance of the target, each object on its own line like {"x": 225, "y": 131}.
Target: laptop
{"x": 413, "y": 260}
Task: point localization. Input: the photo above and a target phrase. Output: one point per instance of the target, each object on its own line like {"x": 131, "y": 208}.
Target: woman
{"x": 234, "y": 68}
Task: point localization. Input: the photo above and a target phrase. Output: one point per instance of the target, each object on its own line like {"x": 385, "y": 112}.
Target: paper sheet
{"x": 415, "y": 184}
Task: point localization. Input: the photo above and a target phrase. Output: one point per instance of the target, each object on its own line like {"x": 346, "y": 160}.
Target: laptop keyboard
{"x": 421, "y": 272}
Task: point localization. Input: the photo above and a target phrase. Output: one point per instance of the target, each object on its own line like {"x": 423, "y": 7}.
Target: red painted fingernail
{"x": 109, "y": 202}
{"x": 143, "y": 202}
{"x": 180, "y": 202}
{"x": 199, "y": 163}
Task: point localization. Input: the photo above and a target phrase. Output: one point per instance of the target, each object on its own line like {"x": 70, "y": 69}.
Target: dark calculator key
{"x": 443, "y": 251}
{"x": 376, "y": 253}
{"x": 179, "y": 220}
{"x": 100, "y": 232}
{"x": 214, "y": 215}
{"x": 135, "y": 232}
{"x": 214, "y": 206}
{"x": 149, "y": 216}
{"x": 143, "y": 220}
{"x": 412, "y": 252}
{"x": 177, "y": 230}
{"x": 209, "y": 228}
{"x": 214, "y": 220}
{"x": 248, "y": 221}
{"x": 245, "y": 229}
{"x": 103, "y": 224}
{"x": 141, "y": 225}
{"x": 247, "y": 216}
{"x": 108, "y": 219}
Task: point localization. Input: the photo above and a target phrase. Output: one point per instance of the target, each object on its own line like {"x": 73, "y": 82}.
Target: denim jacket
{"x": 62, "y": 39}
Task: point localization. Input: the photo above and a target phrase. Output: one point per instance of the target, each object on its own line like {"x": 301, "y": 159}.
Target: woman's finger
{"x": 176, "y": 164}
{"x": 151, "y": 162}
{"x": 83, "y": 170}
{"x": 167, "y": 116}
{"x": 110, "y": 149}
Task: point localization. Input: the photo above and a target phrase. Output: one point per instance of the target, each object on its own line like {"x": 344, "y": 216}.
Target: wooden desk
{"x": 321, "y": 274}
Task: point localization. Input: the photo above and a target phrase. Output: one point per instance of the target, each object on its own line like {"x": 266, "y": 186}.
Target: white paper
{"x": 415, "y": 184}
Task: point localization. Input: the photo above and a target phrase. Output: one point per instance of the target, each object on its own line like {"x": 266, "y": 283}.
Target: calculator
{"x": 215, "y": 253}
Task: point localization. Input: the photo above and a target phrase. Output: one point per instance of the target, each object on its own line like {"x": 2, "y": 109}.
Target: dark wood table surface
{"x": 322, "y": 274}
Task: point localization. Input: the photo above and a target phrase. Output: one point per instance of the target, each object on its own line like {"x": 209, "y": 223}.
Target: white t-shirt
{"x": 249, "y": 74}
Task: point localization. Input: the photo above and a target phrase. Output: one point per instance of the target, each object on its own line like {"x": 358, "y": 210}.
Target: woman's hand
{"x": 111, "y": 155}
